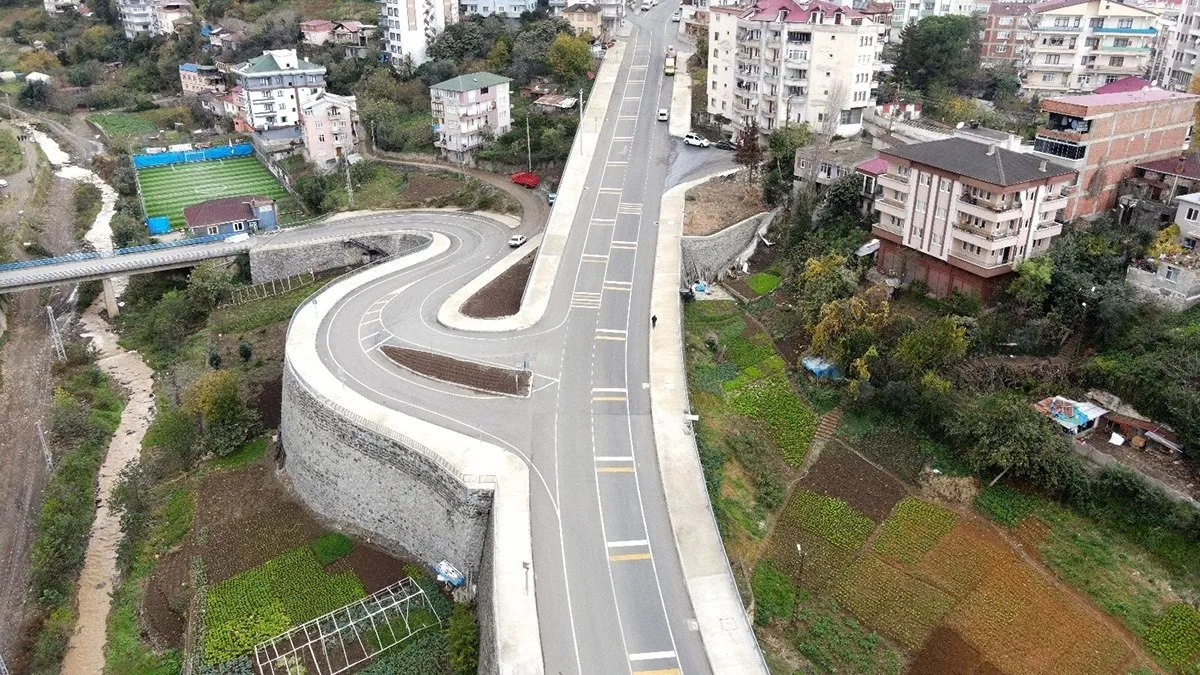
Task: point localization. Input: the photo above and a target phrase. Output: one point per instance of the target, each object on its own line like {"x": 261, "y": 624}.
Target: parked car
{"x": 527, "y": 179}
{"x": 517, "y": 240}
{"x": 676, "y": 16}
{"x": 551, "y": 197}
{"x": 693, "y": 138}
{"x": 725, "y": 144}
{"x": 3, "y": 183}
{"x": 663, "y": 115}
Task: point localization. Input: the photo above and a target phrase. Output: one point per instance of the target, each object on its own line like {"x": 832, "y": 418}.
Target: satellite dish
{"x": 959, "y": 125}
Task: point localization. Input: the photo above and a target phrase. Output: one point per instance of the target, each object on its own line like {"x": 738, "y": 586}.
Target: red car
{"x": 527, "y": 178}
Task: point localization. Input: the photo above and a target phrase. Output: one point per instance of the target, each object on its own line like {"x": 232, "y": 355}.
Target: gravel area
{"x": 719, "y": 203}
{"x": 476, "y": 376}
{"x": 501, "y": 296}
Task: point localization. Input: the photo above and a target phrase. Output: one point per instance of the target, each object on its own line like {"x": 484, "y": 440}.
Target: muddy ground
{"x": 501, "y": 296}
{"x": 463, "y": 373}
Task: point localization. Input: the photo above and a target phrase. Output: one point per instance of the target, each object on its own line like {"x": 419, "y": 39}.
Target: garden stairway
{"x": 825, "y": 430}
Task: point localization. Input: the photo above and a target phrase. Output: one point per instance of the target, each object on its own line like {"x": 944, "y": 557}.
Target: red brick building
{"x": 1104, "y": 136}
{"x": 1006, "y": 33}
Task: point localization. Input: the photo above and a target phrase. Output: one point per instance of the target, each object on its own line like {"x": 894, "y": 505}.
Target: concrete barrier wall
{"x": 709, "y": 256}
{"x": 272, "y": 261}
{"x": 354, "y": 476}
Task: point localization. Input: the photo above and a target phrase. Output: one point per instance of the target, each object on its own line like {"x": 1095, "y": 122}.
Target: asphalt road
{"x": 610, "y": 591}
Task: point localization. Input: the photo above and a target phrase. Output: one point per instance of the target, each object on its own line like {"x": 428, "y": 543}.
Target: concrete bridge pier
{"x": 110, "y": 298}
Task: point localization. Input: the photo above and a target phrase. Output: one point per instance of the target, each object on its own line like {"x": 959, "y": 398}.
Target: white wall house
{"x": 276, "y": 87}
{"x": 1079, "y": 45}
{"x": 408, "y": 27}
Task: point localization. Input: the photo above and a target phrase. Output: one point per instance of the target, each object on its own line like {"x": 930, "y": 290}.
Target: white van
{"x": 646, "y": 5}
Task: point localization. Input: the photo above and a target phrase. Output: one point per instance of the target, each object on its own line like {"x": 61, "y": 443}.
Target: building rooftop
{"x": 1122, "y": 98}
{"x": 769, "y": 10}
{"x": 267, "y": 64}
{"x": 316, "y": 25}
{"x": 1184, "y": 166}
{"x": 1131, "y": 83}
{"x": 227, "y": 210}
{"x": 876, "y": 166}
{"x": 471, "y": 82}
{"x": 1008, "y": 8}
{"x": 1051, "y": 5}
{"x": 989, "y": 164}
{"x": 847, "y": 152}
{"x": 189, "y": 67}
{"x": 582, "y": 8}
{"x": 874, "y": 8}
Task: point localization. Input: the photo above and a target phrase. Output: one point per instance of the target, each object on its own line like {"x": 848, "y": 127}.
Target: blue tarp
{"x": 158, "y": 224}
{"x": 208, "y": 154}
{"x": 821, "y": 368}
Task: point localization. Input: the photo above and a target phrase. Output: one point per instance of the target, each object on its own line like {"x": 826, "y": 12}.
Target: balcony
{"x": 988, "y": 239}
{"x": 1106, "y": 30}
{"x": 979, "y": 260}
{"x": 887, "y": 225}
{"x": 892, "y": 207}
{"x": 894, "y": 181}
{"x": 987, "y": 210}
{"x": 1057, "y": 29}
{"x": 1049, "y": 228}
{"x": 1054, "y": 202}
{"x": 1128, "y": 49}
{"x": 1055, "y": 67}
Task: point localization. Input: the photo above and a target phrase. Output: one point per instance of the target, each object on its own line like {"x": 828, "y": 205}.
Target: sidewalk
{"x": 728, "y": 638}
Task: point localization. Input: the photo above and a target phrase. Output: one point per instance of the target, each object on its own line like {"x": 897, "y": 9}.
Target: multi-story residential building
{"x": 1174, "y": 63}
{"x": 906, "y": 12}
{"x": 825, "y": 165}
{"x": 958, "y": 215}
{"x": 197, "y": 79}
{"x": 1007, "y": 33}
{"x": 170, "y": 16}
{"x": 156, "y": 17}
{"x": 56, "y": 6}
{"x": 513, "y": 8}
{"x": 781, "y": 62}
{"x": 1173, "y": 278}
{"x": 330, "y": 124}
{"x": 611, "y": 11}
{"x": 354, "y": 35}
{"x": 1105, "y": 136}
{"x": 276, "y": 87}
{"x": 466, "y": 110}
{"x": 584, "y": 18}
{"x": 1079, "y": 45}
{"x": 408, "y": 27}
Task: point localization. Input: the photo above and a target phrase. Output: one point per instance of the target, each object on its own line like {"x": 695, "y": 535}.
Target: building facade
{"x": 1105, "y": 136}
{"x": 330, "y": 124}
{"x": 779, "y": 62}
{"x": 1174, "y": 63}
{"x": 1173, "y": 278}
{"x": 906, "y": 12}
{"x": 171, "y": 16}
{"x": 512, "y": 8}
{"x": 585, "y": 18}
{"x": 1007, "y": 34}
{"x": 276, "y": 87}
{"x": 466, "y": 110}
{"x": 1079, "y": 45}
{"x": 958, "y": 215}
{"x": 231, "y": 215}
{"x": 155, "y": 17}
{"x": 196, "y": 79}
{"x": 408, "y": 27}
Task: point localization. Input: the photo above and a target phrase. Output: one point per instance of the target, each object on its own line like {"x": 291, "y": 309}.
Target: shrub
{"x": 332, "y": 546}
{"x": 462, "y": 639}
{"x": 1005, "y": 505}
{"x": 762, "y": 283}
{"x": 774, "y": 593}
{"x": 1176, "y": 638}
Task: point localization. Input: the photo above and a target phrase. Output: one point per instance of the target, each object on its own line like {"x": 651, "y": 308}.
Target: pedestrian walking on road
{"x": 653, "y": 320}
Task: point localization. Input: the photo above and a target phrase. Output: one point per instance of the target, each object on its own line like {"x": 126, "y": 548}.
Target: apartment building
{"x": 1007, "y": 33}
{"x": 1079, "y": 45}
{"x": 466, "y": 109}
{"x": 171, "y": 16}
{"x": 156, "y": 17}
{"x": 1105, "y": 136}
{"x": 407, "y": 27}
{"x": 197, "y": 79}
{"x": 330, "y": 126}
{"x": 782, "y": 62}
{"x": 1174, "y": 63}
{"x": 906, "y": 12}
{"x": 512, "y": 8}
{"x": 354, "y": 36}
{"x": 958, "y": 215}
{"x": 276, "y": 87}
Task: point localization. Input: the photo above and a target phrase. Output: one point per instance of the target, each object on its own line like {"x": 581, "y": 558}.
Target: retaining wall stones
{"x": 271, "y": 261}
{"x": 708, "y": 257}
{"x": 354, "y": 476}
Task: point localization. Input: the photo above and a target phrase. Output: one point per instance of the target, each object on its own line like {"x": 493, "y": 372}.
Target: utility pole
{"x": 528, "y": 147}
{"x": 581, "y": 110}
{"x": 349, "y": 186}
{"x": 45, "y": 446}
{"x": 54, "y": 334}
{"x": 373, "y": 145}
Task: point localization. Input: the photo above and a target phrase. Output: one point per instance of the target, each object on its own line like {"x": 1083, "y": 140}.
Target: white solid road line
{"x": 612, "y": 458}
{"x": 648, "y": 656}
{"x": 617, "y": 390}
{"x": 628, "y": 543}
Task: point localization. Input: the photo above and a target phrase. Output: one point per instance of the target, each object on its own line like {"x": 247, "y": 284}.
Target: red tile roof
{"x": 1184, "y": 166}
{"x": 219, "y": 211}
{"x": 874, "y": 167}
{"x": 1131, "y": 83}
{"x": 768, "y": 10}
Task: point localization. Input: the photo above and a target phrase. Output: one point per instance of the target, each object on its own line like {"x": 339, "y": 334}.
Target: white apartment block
{"x": 783, "y": 63}
{"x": 512, "y": 8}
{"x": 905, "y": 12}
{"x": 276, "y": 87}
{"x": 1178, "y": 46}
{"x": 408, "y": 27}
{"x": 1079, "y": 45}
{"x": 156, "y": 17}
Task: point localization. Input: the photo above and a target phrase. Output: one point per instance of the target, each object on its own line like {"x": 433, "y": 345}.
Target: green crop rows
{"x": 167, "y": 190}
{"x": 830, "y": 518}
{"x": 762, "y": 283}
{"x": 772, "y": 401}
{"x": 912, "y": 530}
{"x": 266, "y": 600}
{"x": 1176, "y": 638}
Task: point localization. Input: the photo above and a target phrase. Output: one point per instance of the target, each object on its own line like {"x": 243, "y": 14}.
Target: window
{"x": 1006, "y": 21}
{"x": 939, "y": 213}
{"x": 318, "y": 124}
{"x": 1047, "y": 77}
{"x": 1116, "y": 61}
{"x": 926, "y": 179}
{"x": 903, "y": 171}
{"x": 1124, "y": 23}
{"x": 1053, "y": 59}
{"x": 1192, "y": 213}
{"x": 1062, "y": 22}
{"x": 797, "y": 54}
{"x": 1172, "y": 273}
{"x": 804, "y": 164}
{"x": 238, "y": 227}
{"x": 213, "y": 229}
{"x": 945, "y": 186}
{"x": 321, "y": 138}
{"x": 921, "y": 204}
{"x": 1084, "y": 79}
{"x": 936, "y": 240}
{"x": 1000, "y": 49}
{"x": 1189, "y": 244}
{"x": 483, "y": 90}
{"x": 1003, "y": 35}
{"x": 1092, "y": 42}
{"x": 1121, "y": 42}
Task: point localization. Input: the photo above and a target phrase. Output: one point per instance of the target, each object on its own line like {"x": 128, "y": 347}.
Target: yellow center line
{"x": 629, "y": 556}
{"x": 610, "y": 337}
{"x": 664, "y": 671}
{"x": 608, "y": 398}
{"x": 614, "y": 469}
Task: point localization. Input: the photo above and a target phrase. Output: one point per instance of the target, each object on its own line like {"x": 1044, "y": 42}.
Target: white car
{"x": 663, "y": 115}
{"x": 693, "y": 138}
{"x": 517, "y": 240}
{"x": 676, "y": 16}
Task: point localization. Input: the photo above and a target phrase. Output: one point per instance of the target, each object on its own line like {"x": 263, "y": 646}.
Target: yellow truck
{"x": 669, "y": 62}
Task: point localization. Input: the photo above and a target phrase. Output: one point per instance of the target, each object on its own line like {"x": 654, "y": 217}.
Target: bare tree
{"x": 831, "y": 116}
{"x": 749, "y": 152}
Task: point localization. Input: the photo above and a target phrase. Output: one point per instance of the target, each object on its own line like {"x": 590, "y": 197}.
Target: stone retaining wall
{"x": 353, "y": 476}
{"x": 271, "y": 261}
{"x": 708, "y": 257}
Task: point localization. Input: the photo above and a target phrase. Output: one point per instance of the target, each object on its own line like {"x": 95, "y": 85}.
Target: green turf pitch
{"x": 168, "y": 189}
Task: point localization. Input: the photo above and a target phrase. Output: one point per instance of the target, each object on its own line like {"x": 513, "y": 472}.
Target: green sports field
{"x": 166, "y": 190}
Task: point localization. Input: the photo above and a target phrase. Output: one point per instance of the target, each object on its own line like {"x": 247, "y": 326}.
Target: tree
{"x": 458, "y": 42}
{"x": 821, "y": 281}
{"x": 172, "y": 437}
{"x": 34, "y": 94}
{"x": 938, "y": 50}
{"x": 208, "y": 284}
{"x": 127, "y": 231}
{"x": 749, "y": 152}
{"x": 1033, "y": 281}
{"x": 40, "y": 61}
{"x": 245, "y": 351}
{"x": 214, "y": 357}
{"x": 499, "y": 57}
{"x": 849, "y": 331}
{"x": 570, "y": 57}
{"x": 433, "y": 72}
{"x": 781, "y": 148}
{"x": 225, "y": 421}
{"x": 931, "y": 346}
{"x": 1002, "y": 433}
{"x": 1166, "y": 242}
{"x": 843, "y": 197}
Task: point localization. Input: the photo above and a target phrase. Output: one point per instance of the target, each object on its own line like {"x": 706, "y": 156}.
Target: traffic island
{"x": 501, "y": 296}
{"x": 469, "y": 374}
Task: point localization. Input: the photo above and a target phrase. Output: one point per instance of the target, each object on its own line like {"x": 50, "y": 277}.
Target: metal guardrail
{"x": 467, "y": 479}
{"x": 96, "y": 255}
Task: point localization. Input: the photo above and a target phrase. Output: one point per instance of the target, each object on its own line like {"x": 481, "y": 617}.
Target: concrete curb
{"x": 478, "y": 465}
{"x": 728, "y": 638}
{"x": 450, "y": 313}
{"x": 562, "y": 216}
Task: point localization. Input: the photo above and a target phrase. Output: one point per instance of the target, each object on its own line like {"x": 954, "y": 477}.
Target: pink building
{"x": 330, "y": 124}
{"x": 466, "y": 109}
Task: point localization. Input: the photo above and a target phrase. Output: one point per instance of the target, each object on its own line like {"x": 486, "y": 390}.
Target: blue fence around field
{"x": 186, "y": 156}
{"x": 94, "y": 255}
